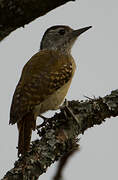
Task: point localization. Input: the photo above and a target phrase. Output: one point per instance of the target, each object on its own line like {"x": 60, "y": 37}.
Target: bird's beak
{"x": 78, "y": 32}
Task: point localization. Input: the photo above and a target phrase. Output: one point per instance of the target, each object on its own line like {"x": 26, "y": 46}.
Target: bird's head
{"x": 60, "y": 38}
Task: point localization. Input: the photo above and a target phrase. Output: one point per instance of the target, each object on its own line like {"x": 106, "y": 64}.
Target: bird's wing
{"x": 43, "y": 74}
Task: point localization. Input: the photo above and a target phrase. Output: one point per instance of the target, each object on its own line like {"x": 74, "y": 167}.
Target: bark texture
{"x": 15, "y": 13}
{"x": 59, "y": 135}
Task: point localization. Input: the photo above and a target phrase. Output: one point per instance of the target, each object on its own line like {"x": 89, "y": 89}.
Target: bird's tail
{"x": 25, "y": 127}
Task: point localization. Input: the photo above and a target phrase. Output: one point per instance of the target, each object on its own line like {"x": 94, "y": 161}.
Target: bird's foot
{"x": 45, "y": 120}
{"x": 67, "y": 109}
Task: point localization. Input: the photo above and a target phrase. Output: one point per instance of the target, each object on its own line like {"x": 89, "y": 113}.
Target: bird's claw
{"x": 45, "y": 120}
{"x": 67, "y": 109}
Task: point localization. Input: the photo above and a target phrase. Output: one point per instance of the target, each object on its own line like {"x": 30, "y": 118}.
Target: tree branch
{"x": 60, "y": 133}
{"x": 15, "y": 14}
{"x": 62, "y": 163}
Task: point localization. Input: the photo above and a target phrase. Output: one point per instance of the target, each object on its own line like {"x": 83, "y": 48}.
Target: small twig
{"x": 88, "y": 97}
{"x": 63, "y": 162}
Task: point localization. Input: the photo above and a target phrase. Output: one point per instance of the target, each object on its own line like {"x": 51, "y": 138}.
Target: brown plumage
{"x": 41, "y": 77}
{"x": 25, "y": 128}
{"x": 44, "y": 82}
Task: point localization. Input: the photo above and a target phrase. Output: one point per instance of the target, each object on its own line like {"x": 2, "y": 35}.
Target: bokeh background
{"x": 96, "y": 55}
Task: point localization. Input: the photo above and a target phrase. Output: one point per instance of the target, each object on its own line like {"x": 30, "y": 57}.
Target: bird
{"x": 44, "y": 81}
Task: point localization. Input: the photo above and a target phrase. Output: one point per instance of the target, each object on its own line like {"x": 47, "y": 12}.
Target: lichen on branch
{"x": 59, "y": 135}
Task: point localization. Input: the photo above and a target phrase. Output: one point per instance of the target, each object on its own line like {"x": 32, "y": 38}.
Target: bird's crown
{"x": 60, "y": 37}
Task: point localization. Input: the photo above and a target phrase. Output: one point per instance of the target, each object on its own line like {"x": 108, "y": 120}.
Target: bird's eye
{"x": 62, "y": 31}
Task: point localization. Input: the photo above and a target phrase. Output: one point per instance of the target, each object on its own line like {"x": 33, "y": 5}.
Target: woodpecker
{"x": 44, "y": 81}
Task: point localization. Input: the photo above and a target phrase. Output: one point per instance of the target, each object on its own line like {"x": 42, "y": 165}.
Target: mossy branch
{"x": 59, "y": 136}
